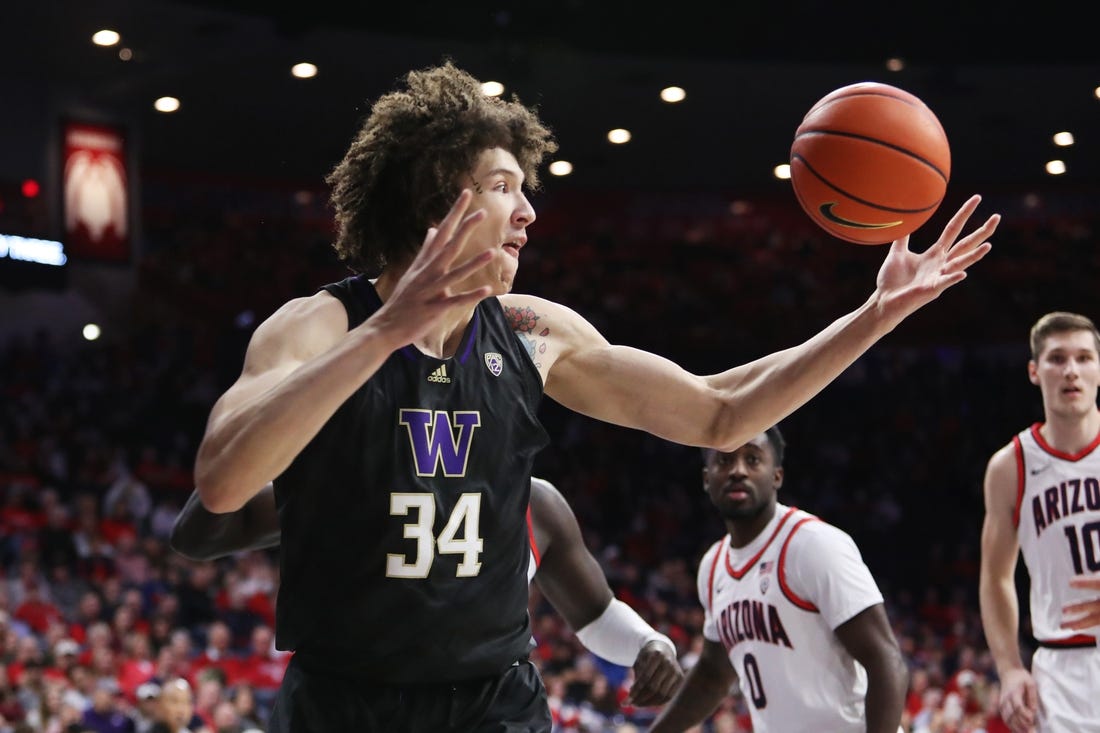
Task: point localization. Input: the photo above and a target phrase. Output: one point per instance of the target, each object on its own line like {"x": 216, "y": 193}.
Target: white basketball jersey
{"x": 774, "y": 605}
{"x": 1058, "y": 524}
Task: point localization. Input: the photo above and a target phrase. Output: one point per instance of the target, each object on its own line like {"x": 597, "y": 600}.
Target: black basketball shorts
{"x": 314, "y": 702}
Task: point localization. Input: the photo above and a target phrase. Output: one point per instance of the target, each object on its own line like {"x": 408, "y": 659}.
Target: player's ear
{"x": 778, "y": 478}
{"x": 1033, "y": 372}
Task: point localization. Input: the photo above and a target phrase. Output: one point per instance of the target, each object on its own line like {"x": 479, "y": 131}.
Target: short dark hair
{"x": 403, "y": 170}
{"x": 775, "y": 438}
{"x": 1060, "y": 322}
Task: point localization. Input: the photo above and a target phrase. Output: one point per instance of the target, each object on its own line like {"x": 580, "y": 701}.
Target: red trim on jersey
{"x": 531, "y": 535}
{"x": 791, "y": 596}
{"x": 1019, "y": 447}
{"x": 1062, "y": 454}
{"x": 1077, "y": 641}
{"x": 740, "y": 573}
{"x": 713, "y": 567}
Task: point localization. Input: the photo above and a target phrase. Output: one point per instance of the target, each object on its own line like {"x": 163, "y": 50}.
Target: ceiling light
{"x": 166, "y": 104}
{"x": 1056, "y": 167}
{"x": 619, "y": 136}
{"x": 561, "y": 168}
{"x": 304, "y": 70}
{"x": 492, "y": 88}
{"x": 106, "y": 37}
{"x": 672, "y": 95}
{"x": 1063, "y": 139}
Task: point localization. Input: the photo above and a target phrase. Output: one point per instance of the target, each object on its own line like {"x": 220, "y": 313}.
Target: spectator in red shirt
{"x": 65, "y": 653}
{"x": 217, "y": 653}
{"x": 36, "y": 612}
{"x": 264, "y": 667}
{"x": 137, "y": 665}
{"x": 10, "y": 709}
{"x": 26, "y": 652}
{"x": 98, "y": 636}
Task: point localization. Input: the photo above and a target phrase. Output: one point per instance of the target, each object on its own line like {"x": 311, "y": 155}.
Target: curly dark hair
{"x": 404, "y": 168}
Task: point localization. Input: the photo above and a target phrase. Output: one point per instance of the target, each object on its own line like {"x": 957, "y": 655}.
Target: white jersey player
{"x": 1042, "y": 494}
{"x": 791, "y": 611}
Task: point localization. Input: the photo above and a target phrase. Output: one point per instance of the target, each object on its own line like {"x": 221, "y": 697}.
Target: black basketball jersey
{"x": 404, "y": 541}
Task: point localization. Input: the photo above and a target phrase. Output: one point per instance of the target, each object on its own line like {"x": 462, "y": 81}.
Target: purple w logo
{"x": 433, "y": 440}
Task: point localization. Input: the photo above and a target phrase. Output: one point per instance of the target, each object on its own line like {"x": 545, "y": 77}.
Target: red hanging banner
{"x": 95, "y": 187}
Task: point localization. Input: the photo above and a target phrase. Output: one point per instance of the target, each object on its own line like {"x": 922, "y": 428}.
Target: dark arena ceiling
{"x": 1003, "y": 83}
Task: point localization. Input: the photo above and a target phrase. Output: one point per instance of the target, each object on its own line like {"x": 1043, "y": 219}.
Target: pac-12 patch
{"x": 495, "y": 362}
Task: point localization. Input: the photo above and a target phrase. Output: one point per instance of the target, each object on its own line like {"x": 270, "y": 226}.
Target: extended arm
{"x": 707, "y": 683}
{"x": 868, "y": 638}
{"x": 632, "y": 388}
{"x": 575, "y": 585}
{"x": 303, "y": 363}
{"x": 199, "y": 534}
{"x": 997, "y": 592}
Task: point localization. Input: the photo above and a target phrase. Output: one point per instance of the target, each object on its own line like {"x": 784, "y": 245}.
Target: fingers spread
{"x": 958, "y": 221}
{"x": 967, "y": 259}
{"x": 449, "y": 224}
{"x": 977, "y": 237}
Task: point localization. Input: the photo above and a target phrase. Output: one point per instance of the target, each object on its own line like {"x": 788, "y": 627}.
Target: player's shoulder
{"x": 320, "y": 308}
{"x": 521, "y": 308}
{"x": 304, "y": 326}
{"x": 523, "y": 300}
{"x": 545, "y": 495}
{"x": 551, "y": 513}
{"x": 1003, "y": 464}
{"x": 812, "y": 537}
{"x": 710, "y": 557}
{"x": 813, "y": 530}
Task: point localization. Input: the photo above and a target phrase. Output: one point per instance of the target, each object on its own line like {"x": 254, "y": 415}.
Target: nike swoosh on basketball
{"x": 826, "y": 210}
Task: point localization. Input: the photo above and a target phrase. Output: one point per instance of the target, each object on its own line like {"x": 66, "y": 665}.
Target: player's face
{"x": 1067, "y": 373}
{"x": 743, "y": 484}
{"x": 497, "y": 183}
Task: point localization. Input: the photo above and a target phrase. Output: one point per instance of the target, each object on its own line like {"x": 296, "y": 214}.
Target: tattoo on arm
{"x": 524, "y": 321}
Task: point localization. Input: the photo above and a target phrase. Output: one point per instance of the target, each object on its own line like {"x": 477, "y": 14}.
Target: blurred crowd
{"x": 104, "y": 629}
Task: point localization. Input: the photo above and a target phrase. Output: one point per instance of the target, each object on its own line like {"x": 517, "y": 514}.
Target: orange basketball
{"x": 870, "y": 163}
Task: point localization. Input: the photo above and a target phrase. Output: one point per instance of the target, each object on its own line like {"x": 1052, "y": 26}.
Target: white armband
{"x": 619, "y": 634}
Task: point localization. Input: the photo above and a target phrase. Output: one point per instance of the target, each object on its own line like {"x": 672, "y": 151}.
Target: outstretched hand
{"x": 425, "y": 291}
{"x": 908, "y": 280}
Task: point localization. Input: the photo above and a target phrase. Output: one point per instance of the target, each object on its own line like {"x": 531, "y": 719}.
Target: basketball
{"x": 870, "y": 163}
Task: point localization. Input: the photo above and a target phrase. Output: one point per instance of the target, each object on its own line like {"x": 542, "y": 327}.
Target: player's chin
{"x": 504, "y": 281}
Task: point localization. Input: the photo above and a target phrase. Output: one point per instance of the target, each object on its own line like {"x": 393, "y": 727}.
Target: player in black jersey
{"x": 397, "y": 416}
{"x": 567, "y": 574}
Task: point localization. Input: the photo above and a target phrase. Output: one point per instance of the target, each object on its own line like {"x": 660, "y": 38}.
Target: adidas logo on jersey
{"x": 440, "y": 375}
